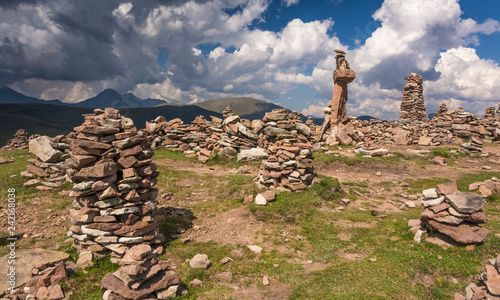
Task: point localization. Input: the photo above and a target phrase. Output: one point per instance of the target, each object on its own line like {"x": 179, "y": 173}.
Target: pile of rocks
{"x": 113, "y": 179}
{"x": 474, "y": 146}
{"x": 489, "y": 283}
{"x": 51, "y": 163}
{"x": 20, "y": 140}
{"x": 228, "y": 136}
{"x": 141, "y": 276}
{"x": 45, "y": 283}
{"x": 454, "y": 214}
{"x": 412, "y": 103}
{"x": 486, "y": 188}
{"x": 289, "y": 167}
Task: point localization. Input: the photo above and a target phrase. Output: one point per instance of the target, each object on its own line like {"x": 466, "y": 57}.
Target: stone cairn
{"x": 337, "y": 110}
{"x": 20, "y": 140}
{"x": 412, "y": 103}
{"x": 51, "y": 162}
{"x": 450, "y": 214}
{"x": 141, "y": 276}
{"x": 113, "y": 179}
{"x": 489, "y": 283}
{"x": 290, "y": 162}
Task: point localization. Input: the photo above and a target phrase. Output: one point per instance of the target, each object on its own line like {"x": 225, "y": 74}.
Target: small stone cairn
{"x": 113, "y": 178}
{"x": 454, "y": 214}
{"x": 51, "y": 162}
{"x": 20, "y": 140}
{"x": 141, "y": 276}
{"x": 489, "y": 283}
{"x": 412, "y": 104}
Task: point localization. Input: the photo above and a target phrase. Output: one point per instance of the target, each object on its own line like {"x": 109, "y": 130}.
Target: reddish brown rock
{"x": 493, "y": 280}
{"x": 36, "y": 170}
{"x": 159, "y": 281}
{"x": 464, "y": 233}
{"x": 99, "y": 170}
{"x": 446, "y": 188}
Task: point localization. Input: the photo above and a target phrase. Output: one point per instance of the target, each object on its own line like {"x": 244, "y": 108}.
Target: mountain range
{"x": 106, "y": 98}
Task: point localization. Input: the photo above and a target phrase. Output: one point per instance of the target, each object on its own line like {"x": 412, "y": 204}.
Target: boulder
{"x": 43, "y": 150}
{"x": 200, "y": 261}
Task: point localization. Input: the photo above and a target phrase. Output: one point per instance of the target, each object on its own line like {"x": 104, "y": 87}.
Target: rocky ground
{"x": 332, "y": 241}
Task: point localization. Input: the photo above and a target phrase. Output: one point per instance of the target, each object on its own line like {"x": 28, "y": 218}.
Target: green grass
{"x": 86, "y": 284}
{"x": 468, "y": 178}
{"x": 296, "y": 228}
{"x": 172, "y": 154}
{"x": 418, "y": 185}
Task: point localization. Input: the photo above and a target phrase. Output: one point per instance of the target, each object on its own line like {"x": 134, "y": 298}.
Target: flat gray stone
{"x": 430, "y": 193}
{"x": 26, "y": 260}
{"x": 252, "y": 154}
{"x": 42, "y": 148}
{"x": 200, "y": 261}
{"x": 466, "y": 203}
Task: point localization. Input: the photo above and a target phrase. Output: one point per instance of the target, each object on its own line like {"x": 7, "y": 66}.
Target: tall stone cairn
{"x": 412, "y": 110}
{"x": 113, "y": 179}
{"x": 341, "y": 77}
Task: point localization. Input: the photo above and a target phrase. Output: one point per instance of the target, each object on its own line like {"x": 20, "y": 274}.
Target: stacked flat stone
{"x": 488, "y": 286}
{"x": 113, "y": 179}
{"x": 19, "y": 142}
{"x": 229, "y": 136}
{"x": 51, "y": 161}
{"x": 282, "y": 124}
{"x": 441, "y": 114}
{"x": 474, "y": 146}
{"x": 289, "y": 166}
{"x": 412, "y": 103}
{"x": 489, "y": 114}
{"x": 454, "y": 214}
{"x": 141, "y": 276}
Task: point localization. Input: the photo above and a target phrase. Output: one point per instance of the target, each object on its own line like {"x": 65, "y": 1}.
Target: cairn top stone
{"x": 466, "y": 203}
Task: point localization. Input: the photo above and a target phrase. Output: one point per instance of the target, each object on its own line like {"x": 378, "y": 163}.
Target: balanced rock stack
{"x": 441, "y": 116}
{"x": 141, "y": 276}
{"x": 289, "y": 167}
{"x": 51, "y": 162}
{"x": 454, "y": 214}
{"x": 412, "y": 103}
{"x": 113, "y": 178}
{"x": 20, "y": 141}
{"x": 489, "y": 283}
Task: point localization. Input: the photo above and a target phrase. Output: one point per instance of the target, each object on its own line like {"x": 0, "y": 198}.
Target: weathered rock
{"x": 160, "y": 281}
{"x": 41, "y": 147}
{"x": 26, "y": 260}
{"x": 252, "y": 154}
{"x": 467, "y": 203}
{"x": 465, "y": 233}
{"x": 200, "y": 261}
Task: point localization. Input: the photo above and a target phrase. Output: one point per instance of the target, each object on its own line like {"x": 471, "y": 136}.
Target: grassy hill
{"x": 245, "y": 107}
{"x": 51, "y": 120}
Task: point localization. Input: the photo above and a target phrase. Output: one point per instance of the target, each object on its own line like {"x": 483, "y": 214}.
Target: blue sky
{"x": 279, "y": 51}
